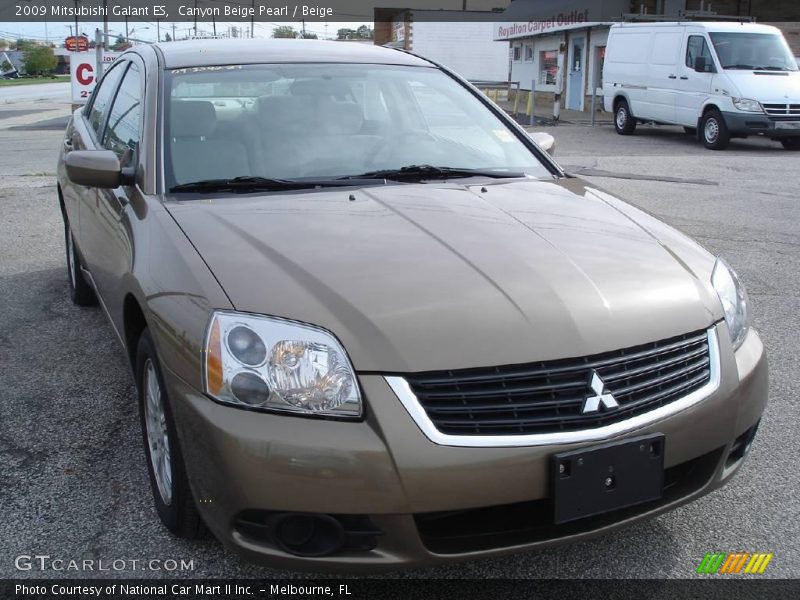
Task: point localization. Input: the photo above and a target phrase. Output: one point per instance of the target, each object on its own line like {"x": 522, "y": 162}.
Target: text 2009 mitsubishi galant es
{"x": 373, "y": 325}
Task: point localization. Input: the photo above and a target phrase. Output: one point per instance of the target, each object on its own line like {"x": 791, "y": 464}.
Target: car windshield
{"x": 330, "y": 121}
{"x": 765, "y": 51}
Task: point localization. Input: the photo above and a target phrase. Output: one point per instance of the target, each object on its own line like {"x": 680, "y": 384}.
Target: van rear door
{"x": 694, "y": 87}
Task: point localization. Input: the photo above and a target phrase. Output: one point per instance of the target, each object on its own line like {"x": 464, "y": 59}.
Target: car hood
{"x": 444, "y": 276}
{"x": 770, "y": 87}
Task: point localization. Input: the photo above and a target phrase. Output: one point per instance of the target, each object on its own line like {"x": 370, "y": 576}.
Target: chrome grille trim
{"x": 412, "y": 405}
{"x": 782, "y": 110}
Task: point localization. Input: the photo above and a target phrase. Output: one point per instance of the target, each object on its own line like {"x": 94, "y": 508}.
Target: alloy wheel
{"x": 157, "y": 435}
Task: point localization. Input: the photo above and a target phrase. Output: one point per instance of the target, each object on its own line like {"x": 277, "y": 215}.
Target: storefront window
{"x": 548, "y": 67}
{"x": 529, "y": 53}
{"x": 517, "y": 53}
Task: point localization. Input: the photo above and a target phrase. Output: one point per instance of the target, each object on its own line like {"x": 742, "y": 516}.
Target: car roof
{"x": 712, "y": 26}
{"x": 195, "y": 53}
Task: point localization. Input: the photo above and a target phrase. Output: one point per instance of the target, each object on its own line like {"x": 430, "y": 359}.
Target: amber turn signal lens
{"x": 214, "y": 360}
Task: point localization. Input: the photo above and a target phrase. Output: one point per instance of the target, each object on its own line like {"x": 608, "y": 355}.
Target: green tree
{"x": 23, "y": 44}
{"x": 120, "y": 44}
{"x": 346, "y": 34}
{"x": 3, "y": 44}
{"x": 6, "y": 66}
{"x": 284, "y": 31}
{"x": 364, "y": 33}
{"x": 40, "y": 61}
{"x": 309, "y": 36}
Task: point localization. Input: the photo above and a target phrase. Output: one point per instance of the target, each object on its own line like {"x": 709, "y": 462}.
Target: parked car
{"x": 718, "y": 80}
{"x": 365, "y": 335}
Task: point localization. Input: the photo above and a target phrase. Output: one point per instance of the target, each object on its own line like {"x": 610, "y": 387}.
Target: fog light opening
{"x": 307, "y": 534}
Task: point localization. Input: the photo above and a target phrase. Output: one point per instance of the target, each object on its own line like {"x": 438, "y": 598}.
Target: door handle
{"x": 673, "y": 76}
{"x": 685, "y": 78}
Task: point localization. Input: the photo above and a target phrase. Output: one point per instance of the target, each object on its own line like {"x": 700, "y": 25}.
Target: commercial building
{"x": 558, "y": 46}
{"x": 463, "y": 42}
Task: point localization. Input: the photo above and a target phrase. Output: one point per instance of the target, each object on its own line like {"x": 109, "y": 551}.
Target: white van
{"x": 718, "y": 80}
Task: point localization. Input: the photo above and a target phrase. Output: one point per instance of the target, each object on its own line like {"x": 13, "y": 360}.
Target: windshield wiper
{"x": 739, "y": 67}
{"x": 419, "y": 172}
{"x": 256, "y": 184}
{"x": 772, "y": 69}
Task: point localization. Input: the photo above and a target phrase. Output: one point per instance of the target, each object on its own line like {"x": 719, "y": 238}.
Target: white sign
{"x": 82, "y": 77}
{"x": 559, "y": 22}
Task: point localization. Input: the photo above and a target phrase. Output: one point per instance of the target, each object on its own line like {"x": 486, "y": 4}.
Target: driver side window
{"x": 696, "y": 47}
{"x": 124, "y": 123}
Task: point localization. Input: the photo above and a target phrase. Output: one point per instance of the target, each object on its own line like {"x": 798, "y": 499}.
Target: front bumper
{"x": 418, "y": 493}
{"x": 744, "y": 124}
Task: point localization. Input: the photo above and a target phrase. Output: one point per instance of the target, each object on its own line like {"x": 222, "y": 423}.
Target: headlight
{"x": 734, "y": 301}
{"x": 748, "y": 105}
{"x": 277, "y": 365}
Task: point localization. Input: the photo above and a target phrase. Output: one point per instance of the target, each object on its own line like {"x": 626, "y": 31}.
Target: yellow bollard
{"x": 516, "y": 102}
{"x": 494, "y": 95}
{"x": 529, "y": 107}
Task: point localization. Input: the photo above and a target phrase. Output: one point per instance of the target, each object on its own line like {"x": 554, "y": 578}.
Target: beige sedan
{"x": 373, "y": 324}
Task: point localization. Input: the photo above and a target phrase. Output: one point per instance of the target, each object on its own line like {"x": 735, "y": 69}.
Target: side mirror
{"x": 701, "y": 65}
{"x": 94, "y": 168}
{"x": 545, "y": 141}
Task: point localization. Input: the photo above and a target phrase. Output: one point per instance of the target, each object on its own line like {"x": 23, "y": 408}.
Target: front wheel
{"x": 173, "y": 498}
{"x": 791, "y": 143}
{"x": 624, "y": 122}
{"x": 714, "y": 131}
{"x": 80, "y": 292}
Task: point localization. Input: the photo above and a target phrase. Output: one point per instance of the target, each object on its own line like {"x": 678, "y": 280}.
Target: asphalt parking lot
{"x": 73, "y": 483}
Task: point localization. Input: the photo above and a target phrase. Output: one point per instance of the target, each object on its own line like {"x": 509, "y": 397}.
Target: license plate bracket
{"x": 600, "y": 479}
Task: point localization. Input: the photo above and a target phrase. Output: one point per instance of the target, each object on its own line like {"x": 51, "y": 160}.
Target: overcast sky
{"x": 146, "y": 30}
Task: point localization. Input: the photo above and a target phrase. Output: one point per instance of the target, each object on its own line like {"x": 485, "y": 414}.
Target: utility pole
{"x": 173, "y": 33}
{"x": 195, "y": 18}
{"x": 214, "y": 24}
{"x": 105, "y": 25}
{"x": 158, "y": 30}
{"x": 126, "y": 28}
{"x": 304, "y": 28}
{"x": 76, "y": 17}
{"x": 252, "y": 19}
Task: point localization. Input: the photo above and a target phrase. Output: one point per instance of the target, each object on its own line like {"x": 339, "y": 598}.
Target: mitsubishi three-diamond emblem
{"x": 592, "y": 403}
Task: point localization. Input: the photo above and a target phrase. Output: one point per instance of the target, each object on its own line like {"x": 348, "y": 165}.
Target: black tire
{"x": 177, "y": 510}
{"x": 692, "y": 131}
{"x": 80, "y": 292}
{"x": 624, "y": 122}
{"x": 713, "y": 131}
{"x": 791, "y": 143}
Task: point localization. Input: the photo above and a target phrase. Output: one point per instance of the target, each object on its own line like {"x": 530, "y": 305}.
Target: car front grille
{"x": 782, "y": 110}
{"x": 549, "y": 397}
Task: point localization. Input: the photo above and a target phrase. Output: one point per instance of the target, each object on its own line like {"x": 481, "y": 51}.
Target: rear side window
{"x": 122, "y": 132}
{"x": 102, "y": 99}
{"x": 696, "y": 47}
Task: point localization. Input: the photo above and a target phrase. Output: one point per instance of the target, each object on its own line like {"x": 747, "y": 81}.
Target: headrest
{"x": 319, "y": 87}
{"x": 340, "y": 118}
{"x": 283, "y": 113}
{"x": 192, "y": 118}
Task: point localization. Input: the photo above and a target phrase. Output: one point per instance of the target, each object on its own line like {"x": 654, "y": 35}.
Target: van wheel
{"x": 173, "y": 498}
{"x": 791, "y": 143}
{"x": 714, "y": 131}
{"x": 80, "y": 292}
{"x": 624, "y": 122}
